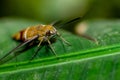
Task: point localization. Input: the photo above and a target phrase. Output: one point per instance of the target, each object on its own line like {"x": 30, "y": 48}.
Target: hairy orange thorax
{"x": 32, "y": 31}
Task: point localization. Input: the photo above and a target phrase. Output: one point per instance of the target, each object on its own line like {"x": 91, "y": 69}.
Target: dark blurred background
{"x": 51, "y": 10}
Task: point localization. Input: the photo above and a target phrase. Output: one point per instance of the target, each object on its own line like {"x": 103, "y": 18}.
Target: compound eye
{"x": 48, "y": 33}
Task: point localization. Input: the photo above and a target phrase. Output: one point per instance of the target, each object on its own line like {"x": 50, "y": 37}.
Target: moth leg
{"x": 40, "y": 42}
{"x": 63, "y": 39}
{"x": 51, "y": 47}
{"x": 19, "y": 46}
{"x": 36, "y": 52}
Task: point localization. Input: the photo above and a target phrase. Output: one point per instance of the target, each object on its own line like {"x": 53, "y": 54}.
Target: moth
{"x": 39, "y": 34}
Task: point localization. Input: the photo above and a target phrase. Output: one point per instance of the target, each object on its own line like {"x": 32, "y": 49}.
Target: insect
{"x": 40, "y": 34}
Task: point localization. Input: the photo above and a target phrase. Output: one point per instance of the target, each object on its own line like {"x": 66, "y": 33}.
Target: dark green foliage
{"x": 84, "y": 60}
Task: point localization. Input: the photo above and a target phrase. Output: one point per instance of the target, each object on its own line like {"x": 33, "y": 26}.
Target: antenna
{"x": 75, "y": 19}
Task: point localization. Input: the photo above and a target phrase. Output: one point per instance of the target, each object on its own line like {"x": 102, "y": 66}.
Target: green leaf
{"x": 84, "y": 60}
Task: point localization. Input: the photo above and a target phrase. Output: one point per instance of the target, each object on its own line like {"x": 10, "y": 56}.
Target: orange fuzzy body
{"x": 32, "y": 31}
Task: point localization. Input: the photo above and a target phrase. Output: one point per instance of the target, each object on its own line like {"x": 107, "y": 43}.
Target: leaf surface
{"x": 84, "y": 60}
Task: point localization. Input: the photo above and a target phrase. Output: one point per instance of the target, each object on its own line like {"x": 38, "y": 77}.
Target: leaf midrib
{"x": 63, "y": 59}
